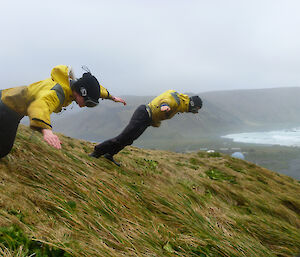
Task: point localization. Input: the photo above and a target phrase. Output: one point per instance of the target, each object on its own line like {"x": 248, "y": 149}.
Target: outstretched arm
{"x": 39, "y": 113}
{"x": 104, "y": 94}
{"x": 117, "y": 99}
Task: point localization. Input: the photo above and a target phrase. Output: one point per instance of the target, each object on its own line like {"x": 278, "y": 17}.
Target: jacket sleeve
{"x": 104, "y": 94}
{"x": 40, "y": 109}
{"x": 166, "y": 102}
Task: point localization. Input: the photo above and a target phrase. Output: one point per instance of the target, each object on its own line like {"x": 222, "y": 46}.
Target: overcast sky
{"x": 144, "y": 47}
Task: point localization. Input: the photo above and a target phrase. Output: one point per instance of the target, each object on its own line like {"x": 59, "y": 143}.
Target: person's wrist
{"x": 46, "y": 131}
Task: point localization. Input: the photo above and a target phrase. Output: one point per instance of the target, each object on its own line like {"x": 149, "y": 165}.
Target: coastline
{"x": 285, "y": 137}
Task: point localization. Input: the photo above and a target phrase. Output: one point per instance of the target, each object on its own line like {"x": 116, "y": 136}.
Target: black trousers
{"x": 140, "y": 120}
{"x": 9, "y": 122}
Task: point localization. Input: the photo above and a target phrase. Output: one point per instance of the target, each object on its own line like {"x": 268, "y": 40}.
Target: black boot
{"x": 95, "y": 154}
{"x": 110, "y": 157}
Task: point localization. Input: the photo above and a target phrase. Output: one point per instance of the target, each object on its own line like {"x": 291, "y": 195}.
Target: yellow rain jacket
{"x": 177, "y": 102}
{"x": 40, "y": 99}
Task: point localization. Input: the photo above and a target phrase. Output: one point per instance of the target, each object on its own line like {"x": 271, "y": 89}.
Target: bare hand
{"x": 51, "y": 138}
{"x": 118, "y": 99}
{"x": 165, "y": 108}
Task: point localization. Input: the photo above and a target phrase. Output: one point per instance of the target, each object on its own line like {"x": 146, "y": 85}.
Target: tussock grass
{"x": 158, "y": 203}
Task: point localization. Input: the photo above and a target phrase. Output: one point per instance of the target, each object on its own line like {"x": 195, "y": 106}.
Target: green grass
{"x": 219, "y": 175}
{"x": 215, "y": 154}
{"x": 158, "y": 203}
{"x": 13, "y": 238}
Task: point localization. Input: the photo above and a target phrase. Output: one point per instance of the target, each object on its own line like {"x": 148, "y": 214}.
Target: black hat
{"x": 195, "y": 104}
{"x": 89, "y": 88}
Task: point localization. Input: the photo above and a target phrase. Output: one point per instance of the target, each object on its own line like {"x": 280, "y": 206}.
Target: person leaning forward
{"x": 40, "y": 99}
{"x": 163, "y": 107}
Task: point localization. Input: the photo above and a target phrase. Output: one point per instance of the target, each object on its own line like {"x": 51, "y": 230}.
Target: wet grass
{"x": 13, "y": 238}
{"x": 158, "y": 203}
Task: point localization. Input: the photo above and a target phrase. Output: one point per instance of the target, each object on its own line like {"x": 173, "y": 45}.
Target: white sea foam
{"x": 287, "y": 137}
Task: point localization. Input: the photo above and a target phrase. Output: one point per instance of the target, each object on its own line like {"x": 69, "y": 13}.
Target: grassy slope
{"x": 64, "y": 203}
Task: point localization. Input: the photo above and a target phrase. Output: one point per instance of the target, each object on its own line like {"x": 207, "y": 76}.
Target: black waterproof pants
{"x": 140, "y": 120}
{"x": 9, "y": 122}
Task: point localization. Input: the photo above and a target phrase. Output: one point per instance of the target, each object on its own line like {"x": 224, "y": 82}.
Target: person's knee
{"x": 128, "y": 142}
{"x": 116, "y": 141}
{"x": 5, "y": 147}
{"x": 4, "y": 152}
{"x": 123, "y": 141}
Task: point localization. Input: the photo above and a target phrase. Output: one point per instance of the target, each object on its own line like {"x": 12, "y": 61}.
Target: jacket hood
{"x": 60, "y": 74}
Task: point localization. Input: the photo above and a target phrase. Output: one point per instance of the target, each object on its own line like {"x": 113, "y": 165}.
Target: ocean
{"x": 286, "y": 137}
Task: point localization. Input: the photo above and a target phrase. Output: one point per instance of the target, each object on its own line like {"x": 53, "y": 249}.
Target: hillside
{"x": 223, "y": 112}
{"x": 158, "y": 203}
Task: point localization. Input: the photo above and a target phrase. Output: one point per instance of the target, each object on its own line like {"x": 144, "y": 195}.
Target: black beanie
{"x": 88, "y": 86}
{"x": 195, "y": 101}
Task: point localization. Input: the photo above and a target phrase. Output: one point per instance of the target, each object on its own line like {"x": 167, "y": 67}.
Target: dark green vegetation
{"x": 159, "y": 203}
{"x": 285, "y": 160}
{"x": 12, "y": 238}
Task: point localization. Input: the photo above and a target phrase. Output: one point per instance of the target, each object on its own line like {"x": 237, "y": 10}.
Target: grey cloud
{"x": 143, "y": 47}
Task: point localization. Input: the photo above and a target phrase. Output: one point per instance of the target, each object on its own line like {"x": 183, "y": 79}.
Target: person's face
{"x": 79, "y": 99}
{"x": 195, "y": 110}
